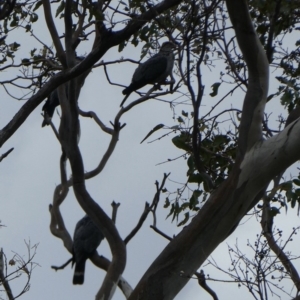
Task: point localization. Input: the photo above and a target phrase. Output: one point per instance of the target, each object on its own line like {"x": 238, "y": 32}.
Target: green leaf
{"x": 274, "y": 211}
{"x": 167, "y": 203}
{"x": 26, "y": 61}
{"x": 194, "y": 199}
{"x": 185, "y": 114}
{"x": 121, "y": 46}
{"x": 14, "y": 46}
{"x": 37, "y": 5}
{"x": 191, "y": 163}
{"x": 28, "y": 27}
{"x": 296, "y": 181}
{"x": 60, "y": 8}
{"x": 157, "y": 127}
{"x": 270, "y": 97}
{"x": 220, "y": 139}
{"x": 215, "y": 88}
{"x": 13, "y": 23}
{"x": 286, "y": 186}
{"x": 287, "y": 97}
{"x": 180, "y": 120}
{"x": 34, "y": 18}
{"x": 181, "y": 141}
{"x": 186, "y": 218}
{"x": 195, "y": 178}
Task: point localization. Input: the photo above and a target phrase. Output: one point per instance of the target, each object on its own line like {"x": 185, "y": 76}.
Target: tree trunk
{"x": 257, "y": 163}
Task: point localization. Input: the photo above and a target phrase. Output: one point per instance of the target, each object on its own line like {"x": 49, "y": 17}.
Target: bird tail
{"x": 78, "y": 277}
{"x": 125, "y": 98}
{"x": 127, "y": 92}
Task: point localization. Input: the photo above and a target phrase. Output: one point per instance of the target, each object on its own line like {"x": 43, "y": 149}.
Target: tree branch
{"x": 250, "y": 131}
{"x": 109, "y": 39}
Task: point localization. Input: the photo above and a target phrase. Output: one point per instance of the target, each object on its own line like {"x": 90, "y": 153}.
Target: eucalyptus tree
{"x": 229, "y": 167}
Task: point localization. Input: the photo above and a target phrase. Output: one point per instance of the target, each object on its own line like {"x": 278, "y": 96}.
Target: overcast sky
{"x": 30, "y": 173}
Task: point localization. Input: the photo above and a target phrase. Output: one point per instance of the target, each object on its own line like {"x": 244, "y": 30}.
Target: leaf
{"x": 220, "y": 139}
{"x": 167, "y": 203}
{"x": 194, "y": 199}
{"x": 185, "y": 114}
{"x": 34, "y": 18}
{"x": 215, "y": 88}
{"x": 270, "y": 97}
{"x": 37, "y": 5}
{"x": 121, "y": 46}
{"x": 181, "y": 141}
{"x": 13, "y": 23}
{"x": 14, "y": 46}
{"x": 25, "y": 61}
{"x": 28, "y": 27}
{"x": 191, "y": 163}
{"x": 274, "y": 211}
{"x": 286, "y": 186}
{"x": 157, "y": 127}
{"x": 180, "y": 120}
{"x": 186, "y": 218}
{"x": 195, "y": 178}
{"x": 287, "y": 97}
{"x": 60, "y": 8}
{"x": 296, "y": 181}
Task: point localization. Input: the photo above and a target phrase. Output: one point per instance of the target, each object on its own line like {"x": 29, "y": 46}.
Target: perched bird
{"x": 87, "y": 238}
{"x": 153, "y": 71}
{"x": 53, "y": 100}
{"x": 49, "y": 107}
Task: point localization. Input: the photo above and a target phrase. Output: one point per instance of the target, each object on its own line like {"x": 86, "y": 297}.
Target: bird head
{"x": 167, "y": 47}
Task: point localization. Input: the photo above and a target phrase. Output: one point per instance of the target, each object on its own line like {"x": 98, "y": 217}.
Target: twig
{"x": 62, "y": 266}
{"x": 203, "y": 284}
{"x": 161, "y": 233}
{"x": 91, "y": 114}
{"x": 139, "y": 224}
{"x": 115, "y": 207}
{"x": 267, "y": 227}
{"x": 5, "y": 154}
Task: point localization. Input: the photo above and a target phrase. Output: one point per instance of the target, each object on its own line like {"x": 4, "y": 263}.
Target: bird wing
{"x": 87, "y": 237}
{"x": 151, "y": 70}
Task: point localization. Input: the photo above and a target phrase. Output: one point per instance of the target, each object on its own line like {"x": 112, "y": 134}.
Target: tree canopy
{"x": 235, "y": 64}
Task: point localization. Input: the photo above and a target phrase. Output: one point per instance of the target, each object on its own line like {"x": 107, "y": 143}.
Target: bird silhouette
{"x": 153, "y": 71}
{"x": 49, "y": 107}
{"x": 53, "y": 100}
{"x": 87, "y": 238}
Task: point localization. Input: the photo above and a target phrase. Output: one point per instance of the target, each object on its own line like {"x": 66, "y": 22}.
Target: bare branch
{"x": 139, "y": 224}
{"x": 203, "y": 284}
{"x": 147, "y": 209}
{"x": 54, "y": 34}
{"x": 3, "y": 280}
{"x": 267, "y": 227}
{"x": 115, "y": 207}
{"x": 5, "y": 154}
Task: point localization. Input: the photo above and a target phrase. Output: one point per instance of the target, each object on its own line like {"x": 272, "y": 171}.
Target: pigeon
{"x": 87, "y": 238}
{"x": 53, "y": 100}
{"x": 153, "y": 71}
{"x": 49, "y": 107}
